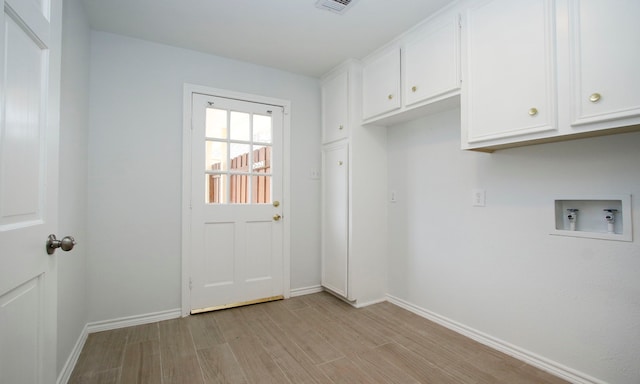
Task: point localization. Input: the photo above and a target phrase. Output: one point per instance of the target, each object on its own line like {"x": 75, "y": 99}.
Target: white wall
{"x": 496, "y": 269}
{"x": 135, "y": 168}
{"x": 74, "y": 126}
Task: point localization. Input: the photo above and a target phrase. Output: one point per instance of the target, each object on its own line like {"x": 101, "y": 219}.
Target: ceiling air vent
{"x": 336, "y": 6}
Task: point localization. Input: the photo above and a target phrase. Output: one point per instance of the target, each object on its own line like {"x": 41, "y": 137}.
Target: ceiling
{"x": 292, "y": 35}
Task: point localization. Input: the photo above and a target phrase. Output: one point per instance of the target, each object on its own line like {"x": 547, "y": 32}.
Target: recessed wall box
{"x": 606, "y": 217}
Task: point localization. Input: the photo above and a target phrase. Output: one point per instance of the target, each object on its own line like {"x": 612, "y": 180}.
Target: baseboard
{"x": 306, "y": 290}
{"x": 528, "y": 357}
{"x": 67, "y": 370}
{"x": 107, "y": 325}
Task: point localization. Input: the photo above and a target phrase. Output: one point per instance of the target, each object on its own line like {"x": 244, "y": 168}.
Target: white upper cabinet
{"x": 335, "y": 105}
{"x": 604, "y": 38}
{"x": 416, "y": 75}
{"x": 510, "y": 87}
{"x": 381, "y": 84}
{"x": 543, "y": 70}
{"x": 431, "y": 60}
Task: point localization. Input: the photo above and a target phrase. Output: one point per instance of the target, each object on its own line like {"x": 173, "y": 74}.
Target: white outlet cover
{"x": 478, "y": 197}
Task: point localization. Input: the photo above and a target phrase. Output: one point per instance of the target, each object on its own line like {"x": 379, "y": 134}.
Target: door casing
{"x": 188, "y": 91}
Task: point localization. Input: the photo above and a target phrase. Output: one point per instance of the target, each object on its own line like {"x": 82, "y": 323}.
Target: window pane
{"x": 216, "y": 123}
{"x": 240, "y": 158}
{"x": 239, "y": 189}
{"x": 215, "y": 189}
{"x": 240, "y": 126}
{"x": 261, "y": 186}
{"x": 262, "y": 129}
{"x": 216, "y": 156}
{"x": 261, "y": 159}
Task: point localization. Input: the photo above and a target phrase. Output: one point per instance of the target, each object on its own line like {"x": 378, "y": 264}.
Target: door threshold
{"x": 234, "y": 305}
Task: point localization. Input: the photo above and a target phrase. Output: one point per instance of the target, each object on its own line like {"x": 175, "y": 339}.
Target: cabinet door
{"x": 335, "y": 108}
{"x": 605, "y": 56}
{"x": 335, "y": 217}
{"x": 381, "y": 84}
{"x": 509, "y": 89}
{"x": 431, "y": 62}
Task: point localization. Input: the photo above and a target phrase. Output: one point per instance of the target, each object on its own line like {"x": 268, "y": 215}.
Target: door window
{"x": 238, "y": 157}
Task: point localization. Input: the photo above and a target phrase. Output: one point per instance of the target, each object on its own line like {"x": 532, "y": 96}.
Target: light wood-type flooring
{"x": 308, "y": 339}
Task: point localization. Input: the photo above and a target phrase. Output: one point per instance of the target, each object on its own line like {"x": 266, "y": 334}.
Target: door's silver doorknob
{"x": 66, "y": 243}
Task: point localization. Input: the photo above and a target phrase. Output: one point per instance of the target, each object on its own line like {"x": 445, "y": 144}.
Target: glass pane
{"x": 216, "y": 156}
{"x": 262, "y": 129}
{"x": 239, "y": 189}
{"x": 261, "y": 189}
{"x": 240, "y": 158}
{"x": 215, "y": 189}
{"x": 261, "y": 159}
{"x": 216, "y": 123}
{"x": 240, "y": 126}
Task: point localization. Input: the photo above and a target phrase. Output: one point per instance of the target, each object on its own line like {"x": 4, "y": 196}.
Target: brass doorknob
{"x": 276, "y": 217}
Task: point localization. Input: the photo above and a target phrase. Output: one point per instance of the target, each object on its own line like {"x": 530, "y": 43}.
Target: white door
{"x": 335, "y": 108}
{"x": 335, "y": 220}
{"x": 604, "y": 54}
{"x": 29, "y": 106}
{"x": 381, "y": 84}
{"x": 431, "y": 61}
{"x": 236, "y": 203}
{"x": 510, "y": 70}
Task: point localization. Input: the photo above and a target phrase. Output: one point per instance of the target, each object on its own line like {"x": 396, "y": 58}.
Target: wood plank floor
{"x": 308, "y": 339}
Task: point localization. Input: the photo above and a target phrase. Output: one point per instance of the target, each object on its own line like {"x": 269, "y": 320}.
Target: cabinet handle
{"x": 390, "y": 97}
{"x": 341, "y": 127}
{"x": 414, "y": 88}
{"x": 595, "y": 97}
{"x": 533, "y": 111}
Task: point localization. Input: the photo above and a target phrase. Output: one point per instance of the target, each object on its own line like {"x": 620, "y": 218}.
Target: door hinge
{"x": 190, "y": 284}
{"x": 460, "y": 21}
{"x": 190, "y": 204}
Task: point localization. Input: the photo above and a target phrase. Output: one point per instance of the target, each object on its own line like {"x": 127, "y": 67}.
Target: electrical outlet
{"x": 314, "y": 174}
{"x": 478, "y": 197}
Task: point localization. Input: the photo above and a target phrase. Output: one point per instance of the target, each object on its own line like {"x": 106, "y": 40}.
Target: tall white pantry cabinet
{"x": 354, "y": 184}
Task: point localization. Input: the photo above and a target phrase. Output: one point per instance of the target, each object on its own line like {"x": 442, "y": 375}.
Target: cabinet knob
{"x": 341, "y": 127}
{"x": 533, "y": 111}
{"x": 414, "y": 88}
{"x": 339, "y": 162}
{"x": 390, "y": 97}
{"x": 595, "y": 97}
